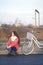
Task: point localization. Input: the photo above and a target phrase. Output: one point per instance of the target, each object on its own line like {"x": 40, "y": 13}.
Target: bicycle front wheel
{"x": 27, "y": 48}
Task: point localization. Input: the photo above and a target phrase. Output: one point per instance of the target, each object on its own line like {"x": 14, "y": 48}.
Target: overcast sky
{"x": 10, "y": 10}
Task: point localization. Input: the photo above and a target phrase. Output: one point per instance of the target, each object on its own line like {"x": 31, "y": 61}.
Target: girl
{"x": 12, "y": 44}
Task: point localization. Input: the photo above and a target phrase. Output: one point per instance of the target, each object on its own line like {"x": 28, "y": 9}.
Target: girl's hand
{"x": 8, "y": 46}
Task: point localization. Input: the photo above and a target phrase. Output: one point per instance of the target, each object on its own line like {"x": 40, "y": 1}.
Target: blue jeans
{"x": 12, "y": 50}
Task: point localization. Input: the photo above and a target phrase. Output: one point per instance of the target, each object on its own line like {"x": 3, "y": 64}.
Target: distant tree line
{"x": 5, "y": 30}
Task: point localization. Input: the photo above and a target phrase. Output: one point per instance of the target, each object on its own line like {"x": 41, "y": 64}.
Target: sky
{"x": 23, "y": 10}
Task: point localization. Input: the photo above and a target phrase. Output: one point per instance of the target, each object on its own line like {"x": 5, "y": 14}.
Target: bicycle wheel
{"x": 27, "y": 48}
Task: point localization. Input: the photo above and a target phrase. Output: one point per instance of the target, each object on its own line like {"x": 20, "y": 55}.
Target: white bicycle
{"x": 28, "y": 47}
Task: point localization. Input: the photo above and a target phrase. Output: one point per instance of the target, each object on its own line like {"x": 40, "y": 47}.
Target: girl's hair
{"x": 15, "y": 33}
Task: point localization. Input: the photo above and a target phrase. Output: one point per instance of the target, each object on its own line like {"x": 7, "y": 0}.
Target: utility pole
{"x": 37, "y": 22}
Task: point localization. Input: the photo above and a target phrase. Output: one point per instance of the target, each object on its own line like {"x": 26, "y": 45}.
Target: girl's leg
{"x": 9, "y": 50}
{"x": 14, "y": 50}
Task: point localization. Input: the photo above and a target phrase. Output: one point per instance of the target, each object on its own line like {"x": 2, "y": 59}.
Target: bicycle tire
{"x": 26, "y": 50}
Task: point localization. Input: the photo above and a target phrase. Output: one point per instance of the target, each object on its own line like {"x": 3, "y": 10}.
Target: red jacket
{"x": 13, "y": 42}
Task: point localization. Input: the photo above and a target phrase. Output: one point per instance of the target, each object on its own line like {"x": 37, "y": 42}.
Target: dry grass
{"x": 39, "y": 33}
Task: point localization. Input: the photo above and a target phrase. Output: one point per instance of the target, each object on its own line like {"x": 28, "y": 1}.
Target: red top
{"x": 13, "y": 42}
